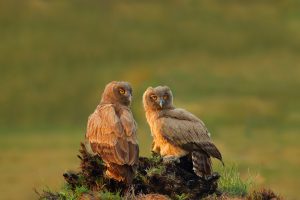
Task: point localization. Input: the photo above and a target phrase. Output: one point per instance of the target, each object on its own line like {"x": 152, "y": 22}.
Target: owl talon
{"x": 170, "y": 159}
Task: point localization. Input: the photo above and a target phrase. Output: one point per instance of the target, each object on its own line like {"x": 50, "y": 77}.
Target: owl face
{"x": 158, "y": 98}
{"x": 117, "y": 92}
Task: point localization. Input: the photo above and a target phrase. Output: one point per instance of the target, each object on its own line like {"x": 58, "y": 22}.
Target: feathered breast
{"x": 113, "y": 135}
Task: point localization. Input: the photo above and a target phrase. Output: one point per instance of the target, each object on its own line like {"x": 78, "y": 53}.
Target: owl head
{"x": 158, "y": 98}
{"x": 117, "y": 92}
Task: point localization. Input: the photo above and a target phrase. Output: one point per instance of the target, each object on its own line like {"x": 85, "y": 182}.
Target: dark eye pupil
{"x": 154, "y": 97}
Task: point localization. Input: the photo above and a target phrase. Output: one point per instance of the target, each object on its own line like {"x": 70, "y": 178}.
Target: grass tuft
{"x": 231, "y": 182}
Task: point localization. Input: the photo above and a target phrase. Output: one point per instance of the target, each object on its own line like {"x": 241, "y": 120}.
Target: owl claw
{"x": 170, "y": 159}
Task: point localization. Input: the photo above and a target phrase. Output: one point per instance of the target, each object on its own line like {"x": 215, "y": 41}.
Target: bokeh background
{"x": 235, "y": 64}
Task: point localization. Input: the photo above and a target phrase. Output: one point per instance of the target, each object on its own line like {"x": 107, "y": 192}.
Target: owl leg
{"x": 112, "y": 175}
{"x": 155, "y": 148}
{"x": 116, "y": 172}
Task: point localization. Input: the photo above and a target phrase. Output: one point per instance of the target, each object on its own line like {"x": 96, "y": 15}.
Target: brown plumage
{"x": 177, "y": 132}
{"x": 111, "y": 132}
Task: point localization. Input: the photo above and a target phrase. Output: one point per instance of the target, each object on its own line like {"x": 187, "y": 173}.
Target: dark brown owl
{"x": 177, "y": 132}
{"x": 111, "y": 132}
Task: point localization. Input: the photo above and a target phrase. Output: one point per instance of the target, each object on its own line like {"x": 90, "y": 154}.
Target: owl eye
{"x": 122, "y": 91}
{"x": 154, "y": 97}
{"x": 165, "y": 97}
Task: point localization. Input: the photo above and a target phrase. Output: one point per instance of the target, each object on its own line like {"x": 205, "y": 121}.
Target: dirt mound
{"x": 153, "y": 177}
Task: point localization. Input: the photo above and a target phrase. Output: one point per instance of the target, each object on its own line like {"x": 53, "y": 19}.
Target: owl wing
{"x": 130, "y": 128}
{"x": 107, "y": 137}
{"x": 183, "y": 129}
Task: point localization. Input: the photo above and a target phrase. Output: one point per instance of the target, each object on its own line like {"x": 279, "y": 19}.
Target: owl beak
{"x": 161, "y": 103}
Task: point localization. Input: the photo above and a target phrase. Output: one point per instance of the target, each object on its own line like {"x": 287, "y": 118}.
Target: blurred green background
{"x": 235, "y": 64}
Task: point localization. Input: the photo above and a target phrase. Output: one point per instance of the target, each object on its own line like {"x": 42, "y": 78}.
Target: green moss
{"x": 67, "y": 193}
{"x": 110, "y": 196}
{"x": 182, "y": 196}
{"x": 156, "y": 170}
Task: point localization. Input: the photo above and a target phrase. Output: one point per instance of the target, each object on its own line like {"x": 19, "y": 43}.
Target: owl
{"x": 111, "y": 132}
{"x": 177, "y": 132}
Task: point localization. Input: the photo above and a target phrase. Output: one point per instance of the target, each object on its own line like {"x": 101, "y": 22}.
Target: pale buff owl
{"x": 177, "y": 132}
{"x": 111, "y": 132}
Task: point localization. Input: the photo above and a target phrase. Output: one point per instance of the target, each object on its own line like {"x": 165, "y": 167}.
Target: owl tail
{"x": 201, "y": 163}
{"x": 121, "y": 173}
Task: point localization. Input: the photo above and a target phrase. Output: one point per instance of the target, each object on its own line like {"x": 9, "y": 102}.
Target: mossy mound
{"x": 174, "y": 180}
